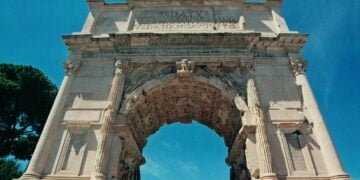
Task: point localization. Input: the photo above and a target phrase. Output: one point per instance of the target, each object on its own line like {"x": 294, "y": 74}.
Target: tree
{"x": 26, "y": 97}
{"x": 9, "y": 169}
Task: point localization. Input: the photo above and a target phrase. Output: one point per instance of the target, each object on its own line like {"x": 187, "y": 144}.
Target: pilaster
{"x": 262, "y": 143}
{"x": 104, "y": 141}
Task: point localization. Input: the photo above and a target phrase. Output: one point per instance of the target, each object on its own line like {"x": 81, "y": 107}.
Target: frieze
{"x": 180, "y": 40}
{"x": 200, "y": 40}
{"x": 182, "y": 52}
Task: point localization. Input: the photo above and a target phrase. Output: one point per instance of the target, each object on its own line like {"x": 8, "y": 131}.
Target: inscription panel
{"x": 195, "y": 19}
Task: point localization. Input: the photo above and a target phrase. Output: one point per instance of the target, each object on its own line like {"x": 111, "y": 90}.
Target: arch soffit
{"x": 226, "y": 122}
{"x": 131, "y": 98}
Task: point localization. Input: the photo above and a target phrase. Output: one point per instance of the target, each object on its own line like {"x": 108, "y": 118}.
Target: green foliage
{"x": 26, "y": 96}
{"x": 9, "y": 169}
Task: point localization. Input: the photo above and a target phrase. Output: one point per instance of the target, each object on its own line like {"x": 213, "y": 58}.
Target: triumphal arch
{"x": 232, "y": 65}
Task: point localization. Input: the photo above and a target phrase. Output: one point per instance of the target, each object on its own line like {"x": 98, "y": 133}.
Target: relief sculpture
{"x": 185, "y": 68}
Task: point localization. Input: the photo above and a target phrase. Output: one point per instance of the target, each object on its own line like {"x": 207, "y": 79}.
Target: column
{"x": 238, "y": 169}
{"x": 129, "y": 169}
{"x": 129, "y": 165}
{"x": 43, "y": 147}
{"x": 329, "y": 153}
{"x": 104, "y": 141}
{"x": 235, "y": 172}
{"x": 262, "y": 144}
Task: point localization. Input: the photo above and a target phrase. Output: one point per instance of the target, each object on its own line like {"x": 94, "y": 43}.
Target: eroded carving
{"x": 72, "y": 67}
{"x": 119, "y": 67}
{"x": 298, "y": 66}
{"x": 128, "y": 167}
{"x": 232, "y": 76}
{"x": 185, "y": 68}
{"x": 137, "y": 76}
{"x": 241, "y": 104}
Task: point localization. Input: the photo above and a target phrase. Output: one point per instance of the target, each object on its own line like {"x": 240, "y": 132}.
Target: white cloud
{"x": 154, "y": 169}
{"x": 172, "y": 147}
{"x": 163, "y": 169}
{"x": 189, "y": 167}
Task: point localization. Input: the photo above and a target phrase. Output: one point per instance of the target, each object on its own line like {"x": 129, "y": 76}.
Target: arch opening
{"x": 182, "y": 101}
{"x": 185, "y": 151}
{"x": 178, "y": 100}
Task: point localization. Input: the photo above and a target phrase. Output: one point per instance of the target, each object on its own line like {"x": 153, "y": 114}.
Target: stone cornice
{"x": 88, "y": 42}
{"x": 147, "y": 3}
{"x": 100, "y": 4}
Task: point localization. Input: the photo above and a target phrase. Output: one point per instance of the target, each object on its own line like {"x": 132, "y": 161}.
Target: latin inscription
{"x": 193, "y": 19}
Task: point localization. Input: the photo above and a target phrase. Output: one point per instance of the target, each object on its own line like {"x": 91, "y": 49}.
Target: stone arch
{"x": 212, "y": 81}
{"x": 171, "y": 99}
{"x": 209, "y": 97}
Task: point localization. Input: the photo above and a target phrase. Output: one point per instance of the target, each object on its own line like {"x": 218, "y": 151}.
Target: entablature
{"x": 147, "y": 3}
{"x": 219, "y": 42}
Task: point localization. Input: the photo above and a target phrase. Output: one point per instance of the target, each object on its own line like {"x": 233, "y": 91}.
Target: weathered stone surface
{"x": 231, "y": 65}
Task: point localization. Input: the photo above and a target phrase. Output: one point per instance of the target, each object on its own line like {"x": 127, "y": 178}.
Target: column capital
{"x": 72, "y": 67}
{"x": 111, "y": 113}
{"x": 119, "y": 67}
{"x": 298, "y": 66}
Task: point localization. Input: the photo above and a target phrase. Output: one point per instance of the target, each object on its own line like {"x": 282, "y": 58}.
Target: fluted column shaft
{"x": 333, "y": 164}
{"x": 39, "y": 157}
{"x": 105, "y": 136}
{"x": 262, "y": 144}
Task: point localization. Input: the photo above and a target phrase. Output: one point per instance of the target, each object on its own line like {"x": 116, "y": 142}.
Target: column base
{"x": 270, "y": 176}
{"x": 33, "y": 176}
{"x": 98, "y": 176}
{"x": 340, "y": 177}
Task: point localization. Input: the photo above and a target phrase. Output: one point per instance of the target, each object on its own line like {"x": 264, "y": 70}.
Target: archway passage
{"x": 185, "y": 151}
{"x": 182, "y": 100}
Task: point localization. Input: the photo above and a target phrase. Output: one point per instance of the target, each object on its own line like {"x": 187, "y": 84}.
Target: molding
{"x": 240, "y": 3}
{"x": 183, "y": 40}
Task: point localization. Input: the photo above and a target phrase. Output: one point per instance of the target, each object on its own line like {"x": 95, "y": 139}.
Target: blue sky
{"x": 179, "y": 152}
{"x": 31, "y": 32}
